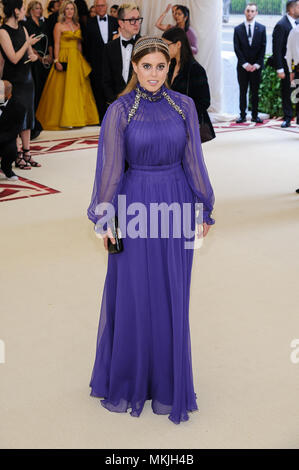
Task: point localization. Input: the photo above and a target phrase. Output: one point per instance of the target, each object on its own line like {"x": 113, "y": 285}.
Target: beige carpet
{"x": 243, "y": 315}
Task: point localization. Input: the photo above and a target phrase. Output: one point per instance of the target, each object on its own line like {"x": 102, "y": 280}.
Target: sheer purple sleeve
{"x": 191, "y": 34}
{"x": 194, "y": 164}
{"x": 110, "y": 161}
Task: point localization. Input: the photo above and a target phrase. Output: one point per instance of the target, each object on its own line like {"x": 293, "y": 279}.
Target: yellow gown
{"x": 67, "y": 99}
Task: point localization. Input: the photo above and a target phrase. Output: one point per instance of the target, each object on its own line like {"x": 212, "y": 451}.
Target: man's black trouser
{"x": 245, "y": 79}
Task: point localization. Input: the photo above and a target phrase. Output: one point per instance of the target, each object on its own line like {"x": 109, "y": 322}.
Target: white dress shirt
{"x": 126, "y": 53}
{"x": 293, "y": 23}
{"x": 2, "y": 96}
{"x": 293, "y": 48}
{"x": 252, "y": 25}
{"x": 103, "y": 25}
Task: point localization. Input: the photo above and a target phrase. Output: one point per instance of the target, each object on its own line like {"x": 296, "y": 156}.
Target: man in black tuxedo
{"x": 12, "y": 115}
{"x": 278, "y": 61}
{"x": 117, "y": 67}
{"x": 99, "y": 31}
{"x": 250, "y": 46}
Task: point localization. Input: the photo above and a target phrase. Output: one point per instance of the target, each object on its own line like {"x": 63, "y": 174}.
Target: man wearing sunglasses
{"x": 117, "y": 68}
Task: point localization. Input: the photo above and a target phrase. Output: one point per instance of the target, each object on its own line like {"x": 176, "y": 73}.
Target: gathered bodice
{"x": 156, "y": 135}
{"x": 150, "y": 130}
{"x": 69, "y": 39}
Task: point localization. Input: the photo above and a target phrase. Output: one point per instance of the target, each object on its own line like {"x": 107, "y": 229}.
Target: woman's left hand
{"x": 33, "y": 57}
{"x": 202, "y": 230}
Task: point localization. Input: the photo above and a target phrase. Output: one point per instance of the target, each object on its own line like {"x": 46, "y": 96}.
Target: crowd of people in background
{"x": 66, "y": 69}
{"x": 76, "y": 61}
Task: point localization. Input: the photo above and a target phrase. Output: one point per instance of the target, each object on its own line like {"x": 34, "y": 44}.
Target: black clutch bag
{"x": 206, "y": 130}
{"x": 119, "y": 246}
{"x": 64, "y": 65}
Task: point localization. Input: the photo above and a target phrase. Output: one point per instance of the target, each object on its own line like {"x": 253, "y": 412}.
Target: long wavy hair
{"x": 61, "y": 16}
{"x": 137, "y": 57}
{"x": 32, "y": 5}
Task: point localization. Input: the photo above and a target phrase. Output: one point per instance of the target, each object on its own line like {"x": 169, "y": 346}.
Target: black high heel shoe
{"x": 18, "y": 162}
{"x": 28, "y": 158}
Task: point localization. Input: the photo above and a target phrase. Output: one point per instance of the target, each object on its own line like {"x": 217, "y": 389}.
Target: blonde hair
{"x": 145, "y": 45}
{"x": 126, "y": 8}
{"x": 31, "y": 5}
{"x": 61, "y": 17}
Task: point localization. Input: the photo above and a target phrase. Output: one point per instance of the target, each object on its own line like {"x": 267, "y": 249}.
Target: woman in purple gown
{"x": 143, "y": 347}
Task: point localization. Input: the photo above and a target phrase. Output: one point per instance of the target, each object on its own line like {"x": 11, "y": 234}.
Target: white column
{"x": 206, "y": 20}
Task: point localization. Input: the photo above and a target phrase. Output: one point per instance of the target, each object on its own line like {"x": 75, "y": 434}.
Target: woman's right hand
{"x": 108, "y": 235}
{"x": 32, "y": 40}
{"x": 58, "y": 67}
{"x": 168, "y": 8}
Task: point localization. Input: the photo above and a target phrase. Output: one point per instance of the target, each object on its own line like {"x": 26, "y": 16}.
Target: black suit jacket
{"x": 279, "y": 43}
{"x": 113, "y": 82}
{"x": 94, "y": 44}
{"x": 255, "y": 53}
{"x": 11, "y": 120}
{"x": 51, "y": 22}
{"x": 192, "y": 80}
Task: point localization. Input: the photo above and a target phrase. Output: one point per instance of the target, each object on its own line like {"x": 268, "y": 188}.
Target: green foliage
{"x": 269, "y": 94}
{"x": 265, "y": 7}
{"x": 238, "y": 6}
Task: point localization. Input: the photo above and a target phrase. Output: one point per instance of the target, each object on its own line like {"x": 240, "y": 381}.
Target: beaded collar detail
{"x": 149, "y": 95}
{"x": 153, "y": 97}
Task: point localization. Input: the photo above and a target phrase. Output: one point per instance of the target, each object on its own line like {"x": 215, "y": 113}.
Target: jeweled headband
{"x": 147, "y": 42}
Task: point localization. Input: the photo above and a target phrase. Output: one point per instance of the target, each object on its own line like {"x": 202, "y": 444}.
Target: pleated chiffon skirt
{"x": 143, "y": 349}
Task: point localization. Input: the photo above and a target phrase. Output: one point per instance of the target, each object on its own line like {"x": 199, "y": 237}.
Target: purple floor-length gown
{"x": 143, "y": 346}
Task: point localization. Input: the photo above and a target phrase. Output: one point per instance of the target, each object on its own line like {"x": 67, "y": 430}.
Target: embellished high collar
{"x": 149, "y": 95}
{"x": 140, "y": 92}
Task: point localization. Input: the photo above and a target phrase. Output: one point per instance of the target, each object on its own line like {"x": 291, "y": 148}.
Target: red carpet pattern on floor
{"x": 221, "y": 127}
{"x": 25, "y": 188}
{"x": 42, "y": 147}
{"x": 22, "y": 188}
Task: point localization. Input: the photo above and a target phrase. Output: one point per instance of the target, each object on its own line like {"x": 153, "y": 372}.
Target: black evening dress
{"x": 20, "y": 75}
{"x": 192, "y": 81}
{"x": 39, "y": 71}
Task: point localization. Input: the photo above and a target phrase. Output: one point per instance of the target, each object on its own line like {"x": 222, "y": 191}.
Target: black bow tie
{"x": 103, "y": 19}
{"x": 131, "y": 41}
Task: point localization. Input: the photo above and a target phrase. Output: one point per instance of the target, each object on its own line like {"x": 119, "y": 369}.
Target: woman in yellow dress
{"x": 67, "y": 99}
